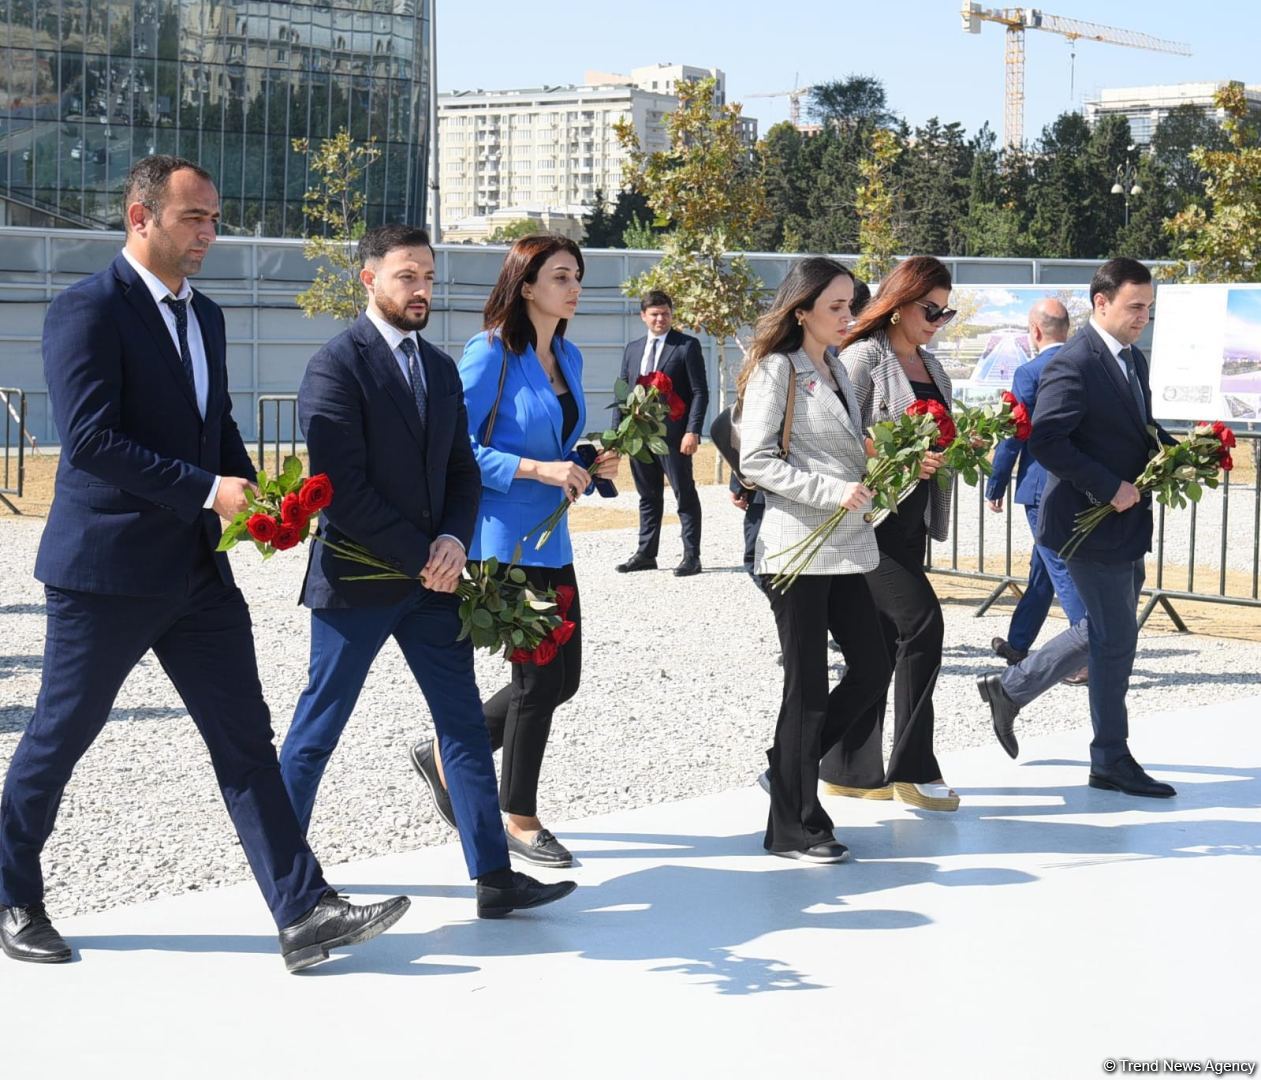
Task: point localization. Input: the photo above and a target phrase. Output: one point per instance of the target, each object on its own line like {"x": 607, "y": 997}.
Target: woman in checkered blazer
{"x": 885, "y": 357}
{"x": 823, "y": 469}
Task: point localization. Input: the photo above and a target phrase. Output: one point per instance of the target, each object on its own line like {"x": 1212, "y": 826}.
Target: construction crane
{"x": 1017, "y": 21}
{"x": 794, "y": 97}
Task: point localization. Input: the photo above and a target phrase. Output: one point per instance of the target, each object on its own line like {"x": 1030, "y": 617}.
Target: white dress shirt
{"x": 394, "y": 338}
{"x": 646, "y": 362}
{"x": 1114, "y": 347}
{"x": 196, "y": 346}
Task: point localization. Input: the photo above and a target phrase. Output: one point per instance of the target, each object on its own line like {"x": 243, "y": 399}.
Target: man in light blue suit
{"x": 1048, "y": 576}
{"x": 383, "y": 415}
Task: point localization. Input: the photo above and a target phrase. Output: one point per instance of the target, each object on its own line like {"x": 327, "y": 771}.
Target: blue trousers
{"x": 1048, "y": 578}
{"x": 344, "y": 643}
{"x": 204, "y": 643}
{"x": 1110, "y": 592}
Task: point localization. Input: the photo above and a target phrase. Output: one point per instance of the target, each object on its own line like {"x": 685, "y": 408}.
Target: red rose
{"x": 1010, "y": 399}
{"x": 315, "y": 493}
{"x": 564, "y": 631}
{"x": 565, "y": 598}
{"x": 544, "y": 652}
{"x": 519, "y": 656}
{"x": 262, "y": 528}
{"x": 1228, "y": 438}
{"x": 1226, "y": 462}
{"x": 291, "y": 512}
{"x": 287, "y": 536}
{"x": 657, "y": 380}
{"x": 1024, "y": 426}
{"x": 917, "y": 408}
{"x": 677, "y": 409}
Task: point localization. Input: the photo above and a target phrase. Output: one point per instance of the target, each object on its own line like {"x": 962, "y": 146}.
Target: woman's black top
{"x": 568, "y": 415}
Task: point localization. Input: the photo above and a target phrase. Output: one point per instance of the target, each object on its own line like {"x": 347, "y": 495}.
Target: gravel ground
{"x": 679, "y": 698}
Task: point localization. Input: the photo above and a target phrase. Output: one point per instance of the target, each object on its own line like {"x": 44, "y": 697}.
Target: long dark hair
{"x": 909, "y": 281}
{"x": 778, "y": 331}
{"x": 505, "y": 313}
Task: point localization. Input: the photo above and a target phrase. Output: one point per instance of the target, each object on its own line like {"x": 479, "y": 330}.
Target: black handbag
{"x": 724, "y": 432}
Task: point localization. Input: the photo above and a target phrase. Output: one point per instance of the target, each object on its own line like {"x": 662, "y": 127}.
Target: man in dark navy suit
{"x": 678, "y": 356}
{"x": 1093, "y": 432}
{"x": 383, "y": 414}
{"x": 1048, "y": 576}
{"x": 151, "y": 460}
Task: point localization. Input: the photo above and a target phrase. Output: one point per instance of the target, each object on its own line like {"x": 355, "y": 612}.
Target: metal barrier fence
{"x": 13, "y": 402}
{"x": 1217, "y": 523}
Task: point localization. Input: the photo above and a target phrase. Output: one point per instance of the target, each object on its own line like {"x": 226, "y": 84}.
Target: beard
{"x": 398, "y": 316}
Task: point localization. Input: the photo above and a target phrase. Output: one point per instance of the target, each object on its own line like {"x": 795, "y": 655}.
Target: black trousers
{"x": 752, "y": 526}
{"x": 520, "y": 715}
{"x": 650, "y": 483}
{"x": 812, "y": 720}
{"x": 911, "y": 629}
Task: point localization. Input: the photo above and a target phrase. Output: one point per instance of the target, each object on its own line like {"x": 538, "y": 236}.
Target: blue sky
{"x": 916, "y": 47}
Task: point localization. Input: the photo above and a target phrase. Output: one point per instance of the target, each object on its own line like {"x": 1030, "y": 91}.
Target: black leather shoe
{"x": 689, "y": 567}
{"x": 1003, "y": 649}
{"x": 543, "y": 850}
{"x": 496, "y": 901}
{"x": 1002, "y": 711}
{"x": 1127, "y": 776}
{"x": 830, "y": 851}
{"x": 27, "y": 934}
{"x": 335, "y": 923}
{"x": 636, "y": 562}
{"x": 1078, "y": 678}
{"x": 423, "y": 762}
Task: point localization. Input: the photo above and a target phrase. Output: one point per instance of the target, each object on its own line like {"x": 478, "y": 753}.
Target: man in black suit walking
{"x": 678, "y": 356}
{"x": 1093, "y": 432}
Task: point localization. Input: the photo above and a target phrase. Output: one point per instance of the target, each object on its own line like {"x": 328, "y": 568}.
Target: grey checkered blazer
{"x": 884, "y": 393}
{"x": 825, "y": 451}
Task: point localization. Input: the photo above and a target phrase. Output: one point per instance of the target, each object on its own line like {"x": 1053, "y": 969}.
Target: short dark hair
{"x": 862, "y": 296}
{"x": 1115, "y": 273}
{"x": 655, "y": 298}
{"x": 147, "y": 180}
{"x": 379, "y": 241}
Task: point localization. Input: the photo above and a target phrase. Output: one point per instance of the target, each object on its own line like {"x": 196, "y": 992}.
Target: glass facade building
{"x": 88, "y": 86}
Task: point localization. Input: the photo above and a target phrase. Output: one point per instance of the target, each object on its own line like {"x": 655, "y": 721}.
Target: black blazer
{"x": 1088, "y": 434}
{"x": 396, "y": 486}
{"x": 682, "y": 360}
{"x": 137, "y": 459}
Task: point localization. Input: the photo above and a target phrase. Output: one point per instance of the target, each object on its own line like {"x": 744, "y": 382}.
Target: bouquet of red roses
{"x": 502, "y": 612}
{"x": 1175, "y": 474}
{"x": 279, "y": 517}
{"x": 640, "y": 433}
{"x": 892, "y": 473}
{"x": 979, "y": 429}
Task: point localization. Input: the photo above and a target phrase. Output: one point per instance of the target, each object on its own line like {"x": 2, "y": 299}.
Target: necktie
{"x": 180, "y": 308}
{"x": 419, "y": 394}
{"x": 650, "y": 364}
{"x": 1127, "y": 358}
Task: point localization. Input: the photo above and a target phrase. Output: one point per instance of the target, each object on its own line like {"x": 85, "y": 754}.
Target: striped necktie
{"x": 419, "y": 393}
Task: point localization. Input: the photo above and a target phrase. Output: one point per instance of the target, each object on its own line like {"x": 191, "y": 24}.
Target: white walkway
{"x": 1042, "y": 929}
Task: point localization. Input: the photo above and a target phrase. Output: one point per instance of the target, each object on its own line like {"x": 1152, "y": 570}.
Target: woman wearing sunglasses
{"x": 885, "y": 356}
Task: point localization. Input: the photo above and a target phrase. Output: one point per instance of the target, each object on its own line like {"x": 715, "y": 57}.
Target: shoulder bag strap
{"x": 787, "y": 430}
{"x": 494, "y": 409}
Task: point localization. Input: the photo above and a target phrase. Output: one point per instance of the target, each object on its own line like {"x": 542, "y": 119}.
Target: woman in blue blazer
{"x": 526, "y": 412}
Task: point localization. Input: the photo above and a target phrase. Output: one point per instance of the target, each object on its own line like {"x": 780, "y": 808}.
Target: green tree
{"x": 786, "y": 181}
{"x": 876, "y": 205}
{"x": 1223, "y": 242}
{"x": 335, "y": 206}
{"x": 934, "y": 172}
{"x": 850, "y": 102}
{"x": 512, "y": 231}
{"x": 705, "y": 189}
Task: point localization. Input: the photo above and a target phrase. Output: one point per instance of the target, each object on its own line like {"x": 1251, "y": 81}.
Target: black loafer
{"x": 1002, "y": 712}
{"x": 496, "y": 901}
{"x": 26, "y": 933}
{"x": 1078, "y": 678}
{"x": 543, "y": 850}
{"x": 830, "y": 851}
{"x": 423, "y": 762}
{"x": 1127, "y": 776}
{"x": 689, "y": 567}
{"x": 1003, "y": 649}
{"x": 335, "y": 923}
{"x": 637, "y": 562}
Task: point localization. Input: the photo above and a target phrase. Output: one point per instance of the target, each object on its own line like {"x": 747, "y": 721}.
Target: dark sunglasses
{"x": 935, "y": 314}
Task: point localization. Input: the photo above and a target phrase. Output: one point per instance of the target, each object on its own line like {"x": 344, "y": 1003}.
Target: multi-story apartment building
{"x": 545, "y": 152}
{"x": 1146, "y": 106}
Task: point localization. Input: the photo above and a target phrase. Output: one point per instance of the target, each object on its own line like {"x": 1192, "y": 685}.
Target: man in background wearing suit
{"x": 383, "y": 414}
{"x": 1048, "y": 576}
{"x": 1093, "y": 432}
{"x": 679, "y": 356}
{"x": 151, "y": 459}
